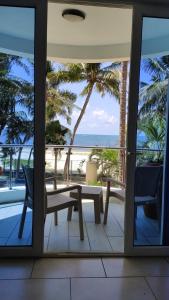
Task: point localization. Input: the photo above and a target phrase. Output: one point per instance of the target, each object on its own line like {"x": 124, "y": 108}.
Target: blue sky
{"x": 102, "y": 113}
{"x": 101, "y": 116}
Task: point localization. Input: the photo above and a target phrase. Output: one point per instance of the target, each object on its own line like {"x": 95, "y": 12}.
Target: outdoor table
{"x": 95, "y": 194}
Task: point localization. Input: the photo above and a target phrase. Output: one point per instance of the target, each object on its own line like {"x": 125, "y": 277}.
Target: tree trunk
{"x": 67, "y": 162}
{"x": 123, "y": 96}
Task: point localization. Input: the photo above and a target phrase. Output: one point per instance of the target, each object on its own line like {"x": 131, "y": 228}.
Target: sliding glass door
{"x": 147, "y": 231}
{"x": 22, "y": 138}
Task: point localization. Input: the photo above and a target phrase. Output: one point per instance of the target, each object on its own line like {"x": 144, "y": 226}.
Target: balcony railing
{"x": 104, "y": 162}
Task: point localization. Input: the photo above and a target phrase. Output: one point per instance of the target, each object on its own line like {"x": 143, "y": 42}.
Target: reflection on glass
{"x": 16, "y": 120}
{"x": 151, "y": 128}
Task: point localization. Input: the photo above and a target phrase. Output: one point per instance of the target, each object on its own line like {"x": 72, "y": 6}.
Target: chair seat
{"x": 141, "y": 200}
{"x": 58, "y": 201}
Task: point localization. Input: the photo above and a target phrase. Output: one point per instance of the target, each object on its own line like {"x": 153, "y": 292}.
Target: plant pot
{"x": 91, "y": 172}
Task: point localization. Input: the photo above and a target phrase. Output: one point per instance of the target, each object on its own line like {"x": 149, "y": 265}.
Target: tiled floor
{"x": 85, "y": 279}
{"x": 65, "y": 236}
{"x": 98, "y": 237}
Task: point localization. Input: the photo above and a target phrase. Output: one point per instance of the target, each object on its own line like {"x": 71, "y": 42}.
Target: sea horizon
{"x": 85, "y": 139}
{"x": 95, "y": 140}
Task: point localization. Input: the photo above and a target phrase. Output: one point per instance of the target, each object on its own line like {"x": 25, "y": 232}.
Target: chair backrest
{"x": 147, "y": 180}
{"x": 29, "y": 178}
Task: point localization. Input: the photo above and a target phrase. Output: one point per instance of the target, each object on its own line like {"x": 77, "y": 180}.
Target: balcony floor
{"x": 65, "y": 236}
{"x": 98, "y": 238}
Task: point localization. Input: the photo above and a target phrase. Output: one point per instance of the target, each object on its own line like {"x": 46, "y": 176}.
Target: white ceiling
{"x": 98, "y": 28}
{"x": 104, "y": 35}
{"x": 91, "y": 39}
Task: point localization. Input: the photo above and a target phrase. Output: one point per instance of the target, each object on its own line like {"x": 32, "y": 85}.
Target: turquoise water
{"x": 96, "y": 140}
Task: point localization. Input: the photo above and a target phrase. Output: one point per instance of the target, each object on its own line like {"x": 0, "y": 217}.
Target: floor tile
{"x": 119, "y": 267}
{"x": 35, "y": 289}
{"x": 75, "y": 244}
{"x": 15, "y": 268}
{"x": 117, "y": 243}
{"x": 63, "y": 268}
{"x": 110, "y": 289}
{"x": 160, "y": 287}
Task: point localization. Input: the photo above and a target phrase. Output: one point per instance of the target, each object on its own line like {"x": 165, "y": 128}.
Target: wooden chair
{"x": 54, "y": 201}
{"x": 112, "y": 193}
{"x": 147, "y": 189}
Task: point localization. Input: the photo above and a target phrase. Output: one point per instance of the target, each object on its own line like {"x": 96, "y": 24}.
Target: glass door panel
{"x": 151, "y": 133}
{"x": 17, "y": 119}
{"x": 147, "y": 194}
{"x": 22, "y": 92}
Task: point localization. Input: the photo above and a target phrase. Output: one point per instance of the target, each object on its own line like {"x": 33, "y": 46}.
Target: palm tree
{"x": 154, "y": 129}
{"x": 122, "y": 134}
{"x": 13, "y": 90}
{"x": 153, "y": 95}
{"x": 58, "y": 102}
{"x": 56, "y": 134}
{"x": 96, "y": 76}
{"x": 153, "y": 102}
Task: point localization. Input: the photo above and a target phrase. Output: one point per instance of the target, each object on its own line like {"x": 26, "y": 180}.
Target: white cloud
{"x": 98, "y": 113}
{"x": 112, "y": 120}
{"x": 101, "y": 115}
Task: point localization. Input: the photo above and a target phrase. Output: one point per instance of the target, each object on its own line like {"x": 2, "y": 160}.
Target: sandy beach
{"x": 78, "y": 160}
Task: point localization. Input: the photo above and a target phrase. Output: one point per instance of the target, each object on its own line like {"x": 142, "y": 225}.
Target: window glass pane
{"x": 151, "y": 133}
{"x": 16, "y": 122}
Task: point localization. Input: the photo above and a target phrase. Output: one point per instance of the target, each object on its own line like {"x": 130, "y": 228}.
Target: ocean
{"x": 92, "y": 140}
{"x": 96, "y": 140}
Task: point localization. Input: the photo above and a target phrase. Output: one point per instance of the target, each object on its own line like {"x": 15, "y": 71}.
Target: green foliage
{"x": 154, "y": 130}
{"x": 107, "y": 161}
{"x": 105, "y": 79}
{"x": 58, "y": 102}
{"x": 14, "y": 91}
{"x": 95, "y": 183}
{"x": 152, "y": 107}
{"x": 153, "y": 95}
{"x": 56, "y": 133}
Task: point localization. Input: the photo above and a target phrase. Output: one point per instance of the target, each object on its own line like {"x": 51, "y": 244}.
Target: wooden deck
{"x": 65, "y": 236}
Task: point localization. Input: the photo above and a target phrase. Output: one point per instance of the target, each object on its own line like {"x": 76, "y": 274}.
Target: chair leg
{"x": 80, "y": 220}
{"x": 101, "y": 203}
{"x": 21, "y": 227}
{"x": 69, "y": 214}
{"x": 97, "y": 211}
{"x": 106, "y": 204}
{"x": 56, "y": 217}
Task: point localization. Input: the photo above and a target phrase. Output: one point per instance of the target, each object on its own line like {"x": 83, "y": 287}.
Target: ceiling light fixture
{"x": 73, "y": 15}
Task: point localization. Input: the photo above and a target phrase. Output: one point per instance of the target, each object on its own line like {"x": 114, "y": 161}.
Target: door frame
{"x": 139, "y": 11}
{"x": 40, "y": 46}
